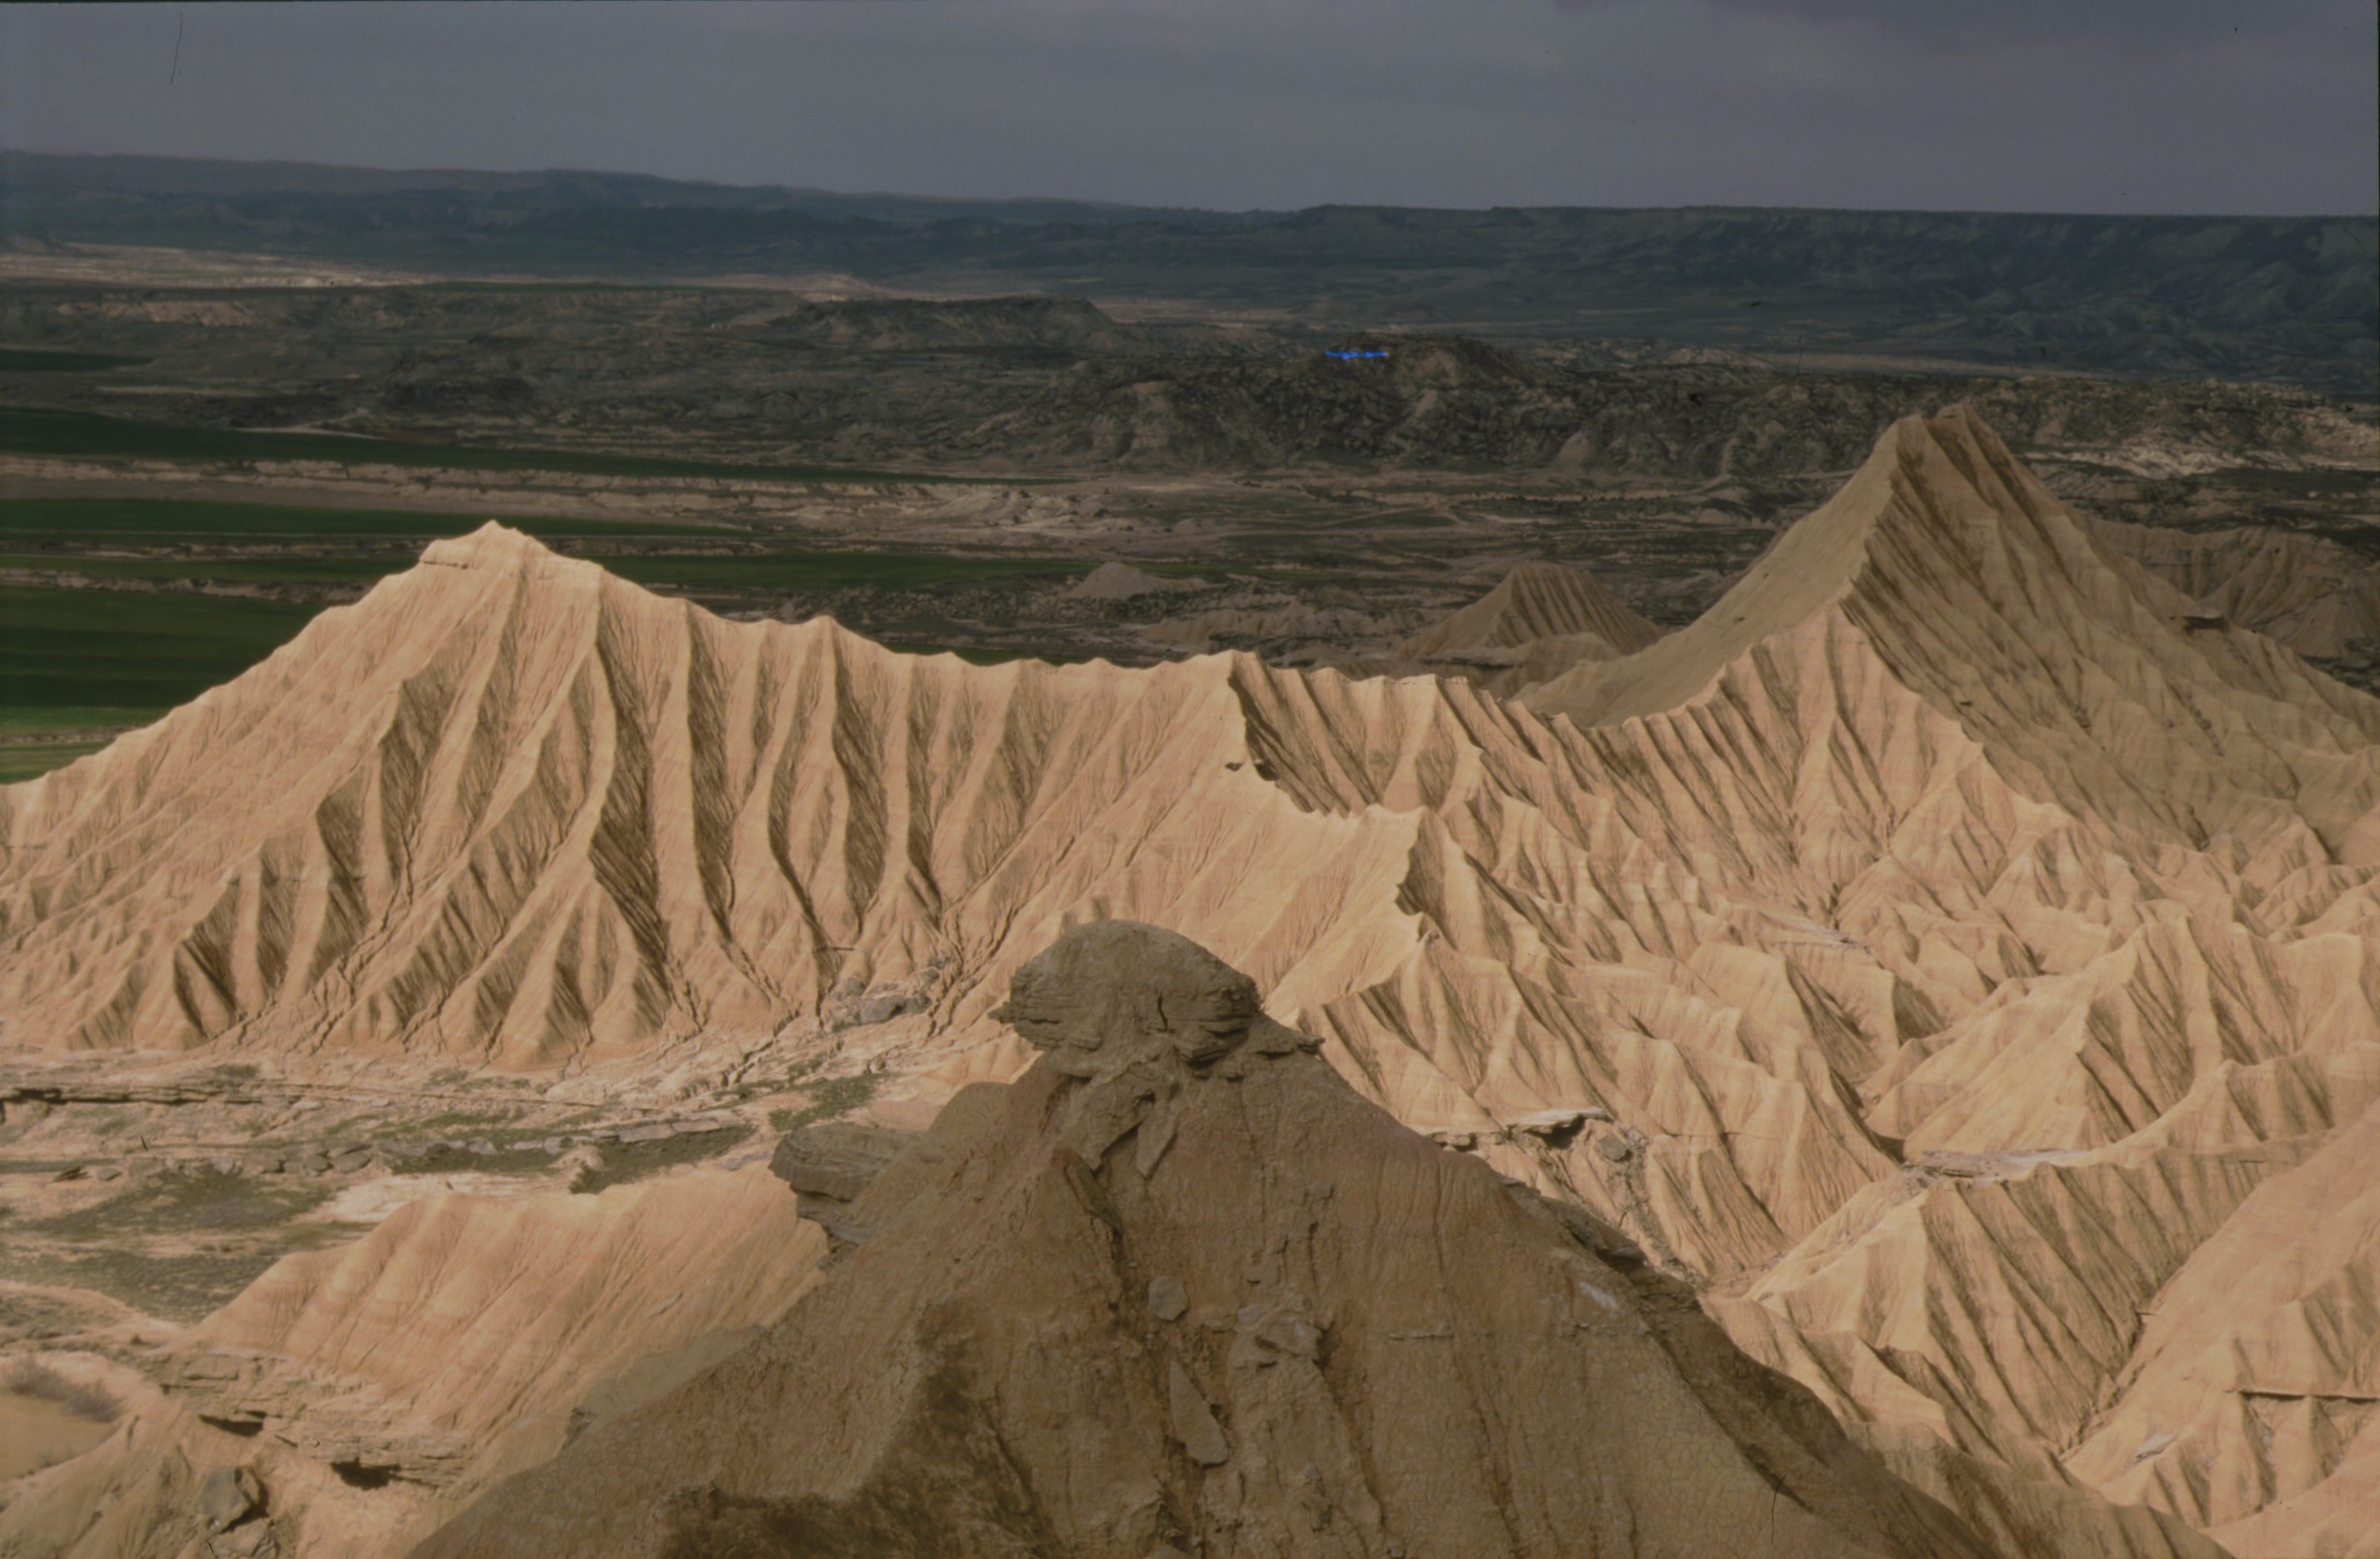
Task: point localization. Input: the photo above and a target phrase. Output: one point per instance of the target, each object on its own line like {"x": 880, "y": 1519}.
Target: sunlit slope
{"x": 378, "y": 1386}
{"x": 1954, "y": 935}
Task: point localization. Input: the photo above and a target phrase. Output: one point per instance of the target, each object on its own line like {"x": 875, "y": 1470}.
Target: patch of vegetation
{"x": 85, "y": 1399}
{"x": 33, "y": 760}
{"x": 521, "y": 1156}
{"x": 138, "y": 654}
{"x": 760, "y": 571}
{"x": 17, "y": 723}
{"x": 187, "y": 1202}
{"x": 355, "y": 570}
{"x": 618, "y": 1163}
{"x": 836, "y": 1096}
{"x": 87, "y": 435}
{"x": 985, "y": 655}
{"x": 571, "y": 287}
{"x": 33, "y": 359}
{"x": 451, "y": 1121}
{"x": 82, "y": 519}
{"x": 40, "y": 1317}
{"x": 175, "y": 1288}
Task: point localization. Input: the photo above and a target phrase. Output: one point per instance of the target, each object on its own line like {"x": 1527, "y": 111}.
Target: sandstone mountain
{"x": 1928, "y": 953}
{"x": 1180, "y": 1289}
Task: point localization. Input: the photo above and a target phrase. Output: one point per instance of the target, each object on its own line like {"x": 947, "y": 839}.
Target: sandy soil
{"x": 36, "y": 1433}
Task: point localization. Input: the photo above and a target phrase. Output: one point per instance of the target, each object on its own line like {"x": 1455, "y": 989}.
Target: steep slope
{"x": 2314, "y": 595}
{"x": 1179, "y": 1284}
{"x": 2189, "y": 1006}
{"x": 374, "y": 1388}
{"x": 2252, "y": 1403}
{"x": 1980, "y": 593}
{"x": 1944, "y": 916}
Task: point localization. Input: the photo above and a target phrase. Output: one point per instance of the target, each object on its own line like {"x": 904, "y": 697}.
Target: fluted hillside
{"x": 2313, "y": 595}
{"x": 1180, "y": 1290}
{"x": 1928, "y": 950}
{"x": 1534, "y": 602}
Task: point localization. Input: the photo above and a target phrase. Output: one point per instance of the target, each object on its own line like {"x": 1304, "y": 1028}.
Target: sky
{"x": 2248, "y": 107}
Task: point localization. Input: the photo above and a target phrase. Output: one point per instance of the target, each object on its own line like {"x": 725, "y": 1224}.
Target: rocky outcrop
{"x": 1180, "y": 1286}
{"x": 828, "y": 1165}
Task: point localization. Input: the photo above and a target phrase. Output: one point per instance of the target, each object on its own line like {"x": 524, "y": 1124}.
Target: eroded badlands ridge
{"x": 1180, "y": 1289}
{"x": 1929, "y": 950}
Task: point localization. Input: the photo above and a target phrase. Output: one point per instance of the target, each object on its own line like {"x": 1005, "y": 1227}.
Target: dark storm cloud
{"x": 1261, "y": 103}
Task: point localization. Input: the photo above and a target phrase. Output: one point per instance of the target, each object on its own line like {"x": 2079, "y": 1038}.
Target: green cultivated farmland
{"x": 773, "y": 570}
{"x": 229, "y": 570}
{"x": 83, "y": 519}
{"x": 73, "y": 654}
{"x": 85, "y": 435}
{"x": 87, "y": 659}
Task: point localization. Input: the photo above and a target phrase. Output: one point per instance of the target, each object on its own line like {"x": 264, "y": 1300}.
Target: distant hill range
{"x": 2286, "y": 300}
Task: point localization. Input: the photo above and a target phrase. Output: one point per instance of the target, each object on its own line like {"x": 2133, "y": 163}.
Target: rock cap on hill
{"x": 1304, "y": 1330}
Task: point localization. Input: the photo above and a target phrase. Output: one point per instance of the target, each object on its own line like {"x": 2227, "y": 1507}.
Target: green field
{"x": 79, "y": 519}
{"x": 228, "y": 569}
{"x": 86, "y": 435}
{"x": 31, "y": 359}
{"x": 783, "y": 570}
{"x": 68, "y": 655}
{"x": 28, "y": 524}
{"x": 82, "y": 660}
{"x": 98, "y": 659}
{"x": 85, "y": 660}
{"x": 32, "y": 761}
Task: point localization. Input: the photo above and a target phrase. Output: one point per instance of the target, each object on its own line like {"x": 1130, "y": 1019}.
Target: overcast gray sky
{"x": 2186, "y": 106}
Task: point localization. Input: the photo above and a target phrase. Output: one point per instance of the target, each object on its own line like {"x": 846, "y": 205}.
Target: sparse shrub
{"x": 85, "y": 1399}
{"x": 836, "y": 1096}
{"x": 618, "y": 1163}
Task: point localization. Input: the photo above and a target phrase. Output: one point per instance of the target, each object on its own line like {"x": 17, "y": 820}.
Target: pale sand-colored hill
{"x": 1535, "y": 600}
{"x": 375, "y": 1389}
{"x": 1180, "y": 1289}
{"x": 1929, "y": 949}
{"x": 2251, "y": 1403}
{"x": 2313, "y": 595}
{"x": 1121, "y": 581}
{"x": 1538, "y": 621}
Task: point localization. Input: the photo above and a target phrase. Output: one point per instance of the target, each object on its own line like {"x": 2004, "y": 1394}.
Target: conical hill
{"x": 1180, "y": 1290}
{"x": 2090, "y": 682}
{"x": 1534, "y": 601}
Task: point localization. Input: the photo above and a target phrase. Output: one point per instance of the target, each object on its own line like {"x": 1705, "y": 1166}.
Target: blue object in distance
{"x": 1354, "y": 352}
